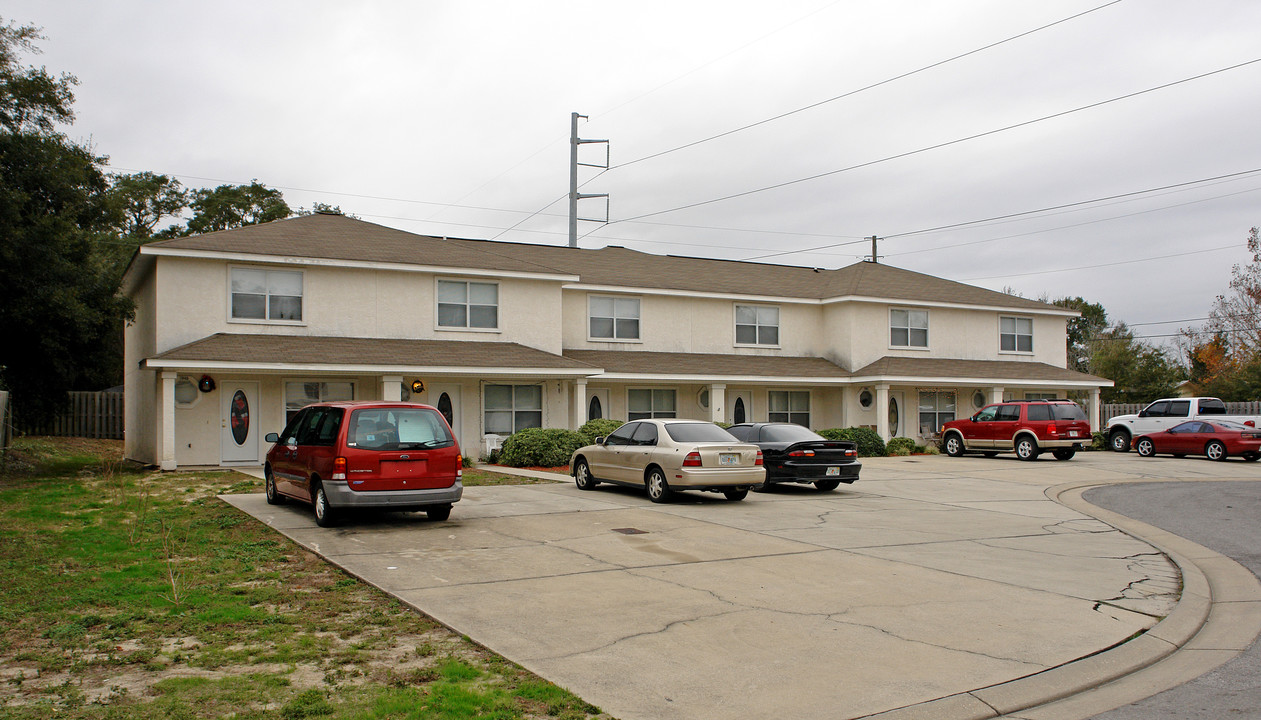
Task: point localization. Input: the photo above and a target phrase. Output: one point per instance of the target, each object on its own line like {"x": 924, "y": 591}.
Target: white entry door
{"x": 598, "y": 404}
{"x": 239, "y": 413}
{"x": 739, "y": 406}
{"x": 447, "y": 399}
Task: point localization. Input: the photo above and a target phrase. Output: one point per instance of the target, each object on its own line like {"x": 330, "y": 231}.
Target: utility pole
{"x": 874, "y": 257}
{"x": 574, "y": 195}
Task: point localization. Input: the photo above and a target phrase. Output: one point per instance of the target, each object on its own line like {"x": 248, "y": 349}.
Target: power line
{"x": 941, "y": 145}
{"x": 895, "y": 78}
{"x": 1104, "y": 265}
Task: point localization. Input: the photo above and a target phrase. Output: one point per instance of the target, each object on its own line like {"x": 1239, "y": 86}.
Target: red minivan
{"x": 371, "y": 455}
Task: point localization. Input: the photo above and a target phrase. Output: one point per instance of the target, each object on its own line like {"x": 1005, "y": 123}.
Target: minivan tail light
{"x": 759, "y": 458}
{"x": 339, "y": 468}
{"x": 693, "y": 459}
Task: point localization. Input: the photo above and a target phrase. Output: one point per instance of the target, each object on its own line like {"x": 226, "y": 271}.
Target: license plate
{"x": 834, "y": 471}
{"x": 1072, "y": 433}
{"x": 728, "y": 458}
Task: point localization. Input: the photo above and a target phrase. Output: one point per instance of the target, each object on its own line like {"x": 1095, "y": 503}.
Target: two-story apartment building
{"x": 237, "y": 330}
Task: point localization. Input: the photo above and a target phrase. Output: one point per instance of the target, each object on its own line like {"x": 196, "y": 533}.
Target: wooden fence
{"x": 1232, "y": 408}
{"x": 90, "y": 414}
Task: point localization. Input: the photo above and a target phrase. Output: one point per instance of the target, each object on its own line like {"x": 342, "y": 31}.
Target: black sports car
{"x": 792, "y": 453}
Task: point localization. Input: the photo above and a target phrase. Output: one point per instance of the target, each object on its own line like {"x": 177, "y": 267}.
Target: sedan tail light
{"x": 759, "y": 458}
{"x": 800, "y": 453}
{"x": 693, "y": 459}
{"x": 339, "y": 468}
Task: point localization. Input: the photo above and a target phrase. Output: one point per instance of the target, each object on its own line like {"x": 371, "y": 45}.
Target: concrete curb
{"x": 1217, "y": 617}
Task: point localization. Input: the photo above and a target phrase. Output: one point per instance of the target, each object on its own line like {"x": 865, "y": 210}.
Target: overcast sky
{"x": 453, "y": 119}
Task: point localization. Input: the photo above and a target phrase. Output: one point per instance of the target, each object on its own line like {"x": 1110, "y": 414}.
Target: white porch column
{"x": 717, "y": 403}
{"x": 882, "y": 410}
{"x": 166, "y": 421}
{"x": 392, "y": 388}
{"x": 996, "y": 394}
{"x": 1095, "y": 409}
{"x": 580, "y": 403}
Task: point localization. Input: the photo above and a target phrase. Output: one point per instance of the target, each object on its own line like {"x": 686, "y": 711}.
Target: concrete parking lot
{"x": 934, "y": 587}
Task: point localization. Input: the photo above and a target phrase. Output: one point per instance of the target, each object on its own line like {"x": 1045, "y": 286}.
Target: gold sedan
{"x": 663, "y": 456}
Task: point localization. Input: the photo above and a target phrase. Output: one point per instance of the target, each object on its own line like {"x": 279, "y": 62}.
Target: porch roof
{"x": 709, "y": 367}
{"x": 388, "y": 356}
{"x": 965, "y": 372}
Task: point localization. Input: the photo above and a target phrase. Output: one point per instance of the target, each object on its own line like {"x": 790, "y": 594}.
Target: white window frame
{"x": 757, "y": 325}
{"x": 938, "y": 411}
{"x": 615, "y": 317}
{"x": 284, "y": 392}
{"x": 909, "y": 327}
{"x": 653, "y": 412}
{"x": 790, "y": 415}
{"x": 467, "y": 304}
{"x": 515, "y": 409}
{"x": 267, "y": 319}
{"x": 197, "y": 393}
{"x": 1015, "y": 334}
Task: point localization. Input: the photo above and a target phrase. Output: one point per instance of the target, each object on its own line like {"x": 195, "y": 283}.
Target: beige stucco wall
{"x": 694, "y": 325}
{"x": 826, "y": 403}
{"x": 347, "y": 302}
{"x": 139, "y": 386}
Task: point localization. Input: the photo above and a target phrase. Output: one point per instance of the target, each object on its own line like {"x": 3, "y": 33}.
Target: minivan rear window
{"x": 403, "y": 428}
{"x": 1068, "y": 411}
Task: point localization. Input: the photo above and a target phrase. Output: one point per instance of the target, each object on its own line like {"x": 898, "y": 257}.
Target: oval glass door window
{"x": 594, "y": 410}
{"x": 893, "y": 417}
{"x": 239, "y": 416}
{"x": 444, "y": 407}
{"x": 738, "y": 413}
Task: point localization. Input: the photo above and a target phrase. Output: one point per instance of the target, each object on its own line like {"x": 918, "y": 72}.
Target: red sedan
{"x": 1218, "y": 440}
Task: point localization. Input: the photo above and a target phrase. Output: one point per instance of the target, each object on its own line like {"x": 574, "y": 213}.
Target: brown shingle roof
{"x": 945, "y": 368}
{"x": 708, "y": 365}
{"x": 251, "y": 349}
{"x": 336, "y": 237}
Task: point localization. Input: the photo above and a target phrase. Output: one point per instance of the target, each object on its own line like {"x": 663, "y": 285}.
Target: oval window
{"x": 239, "y": 416}
{"x": 595, "y": 411}
{"x": 444, "y": 407}
{"x": 893, "y": 417}
{"x": 738, "y": 413}
{"x": 978, "y": 400}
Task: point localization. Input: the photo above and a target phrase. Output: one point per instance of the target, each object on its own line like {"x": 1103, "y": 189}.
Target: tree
{"x": 56, "y": 286}
{"x": 1141, "y": 372}
{"x": 1083, "y": 331}
{"x": 232, "y": 206}
{"x": 1236, "y": 315}
{"x": 145, "y": 199}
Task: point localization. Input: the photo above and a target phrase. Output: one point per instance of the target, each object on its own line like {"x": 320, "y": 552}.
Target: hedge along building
{"x": 236, "y": 330}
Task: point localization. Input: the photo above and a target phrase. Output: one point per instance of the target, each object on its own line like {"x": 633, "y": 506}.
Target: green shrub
{"x": 1098, "y": 441}
{"x": 600, "y": 427}
{"x": 929, "y": 450}
{"x": 540, "y": 447}
{"x": 723, "y": 425}
{"x": 868, "y": 440}
{"x": 900, "y": 446}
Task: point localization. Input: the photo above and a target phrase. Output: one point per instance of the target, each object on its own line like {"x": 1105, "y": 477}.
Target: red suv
{"x": 1026, "y": 426}
{"x": 382, "y": 455}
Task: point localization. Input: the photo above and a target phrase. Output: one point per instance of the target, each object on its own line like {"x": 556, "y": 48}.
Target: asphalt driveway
{"x": 929, "y": 578}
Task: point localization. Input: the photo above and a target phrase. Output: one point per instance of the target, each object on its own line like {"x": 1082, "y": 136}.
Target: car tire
{"x": 1027, "y": 448}
{"x": 735, "y": 495}
{"x": 1064, "y": 453}
{"x": 1119, "y": 441}
{"x": 1145, "y": 447}
{"x": 325, "y": 515}
{"x": 827, "y": 485}
{"x": 954, "y": 445}
{"x": 583, "y": 477}
{"x": 655, "y": 483}
{"x": 269, "y": 485}
{"x": 438, "y": 513}
{"x": 1215, "y": 450}
{"x": 1252, "y": 457}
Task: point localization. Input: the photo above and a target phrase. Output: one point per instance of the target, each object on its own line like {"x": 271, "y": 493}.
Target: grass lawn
{"x": 135, "y": 594}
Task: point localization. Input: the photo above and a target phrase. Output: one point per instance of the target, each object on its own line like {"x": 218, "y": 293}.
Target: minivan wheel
{"x": 954, "y": 445}
{"x": 658, "y": 489}
{"x": 1215, "y": 451}
{"x": 583, "y": 477}
{"x": 1119, "y": 441}
{"x": 269, "y": 482}
{"x": 1026, "y": 448}
{"x": 325, "y": 515}
{"x": 438, "y": 512}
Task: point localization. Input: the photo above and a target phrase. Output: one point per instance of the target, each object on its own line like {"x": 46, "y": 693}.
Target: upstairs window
{"x": 467, "y": 304}
{"x": 1015, "y": 334}
{"x": 757, "y": 325}
{"x": 613, "y": 318}
{"x": 908, "y": 328}
{"x": 266, "y": 294}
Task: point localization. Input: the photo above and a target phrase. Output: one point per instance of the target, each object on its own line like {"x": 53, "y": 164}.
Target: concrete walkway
{"x": 933, "y": 588}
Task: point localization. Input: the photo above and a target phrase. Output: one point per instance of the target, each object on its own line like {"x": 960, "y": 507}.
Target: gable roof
{"x": 339, "y": 238}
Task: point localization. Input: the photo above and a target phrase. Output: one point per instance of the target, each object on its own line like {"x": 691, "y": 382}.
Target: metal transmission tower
{"x": 574, "y": 195}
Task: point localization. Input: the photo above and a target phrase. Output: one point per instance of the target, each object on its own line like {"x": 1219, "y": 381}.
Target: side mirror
{"x": 1142, "y": 413}
{"x": 271, "y": 437}
{"x": 599, "y": 439}
{"x": 973, "y": 418}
